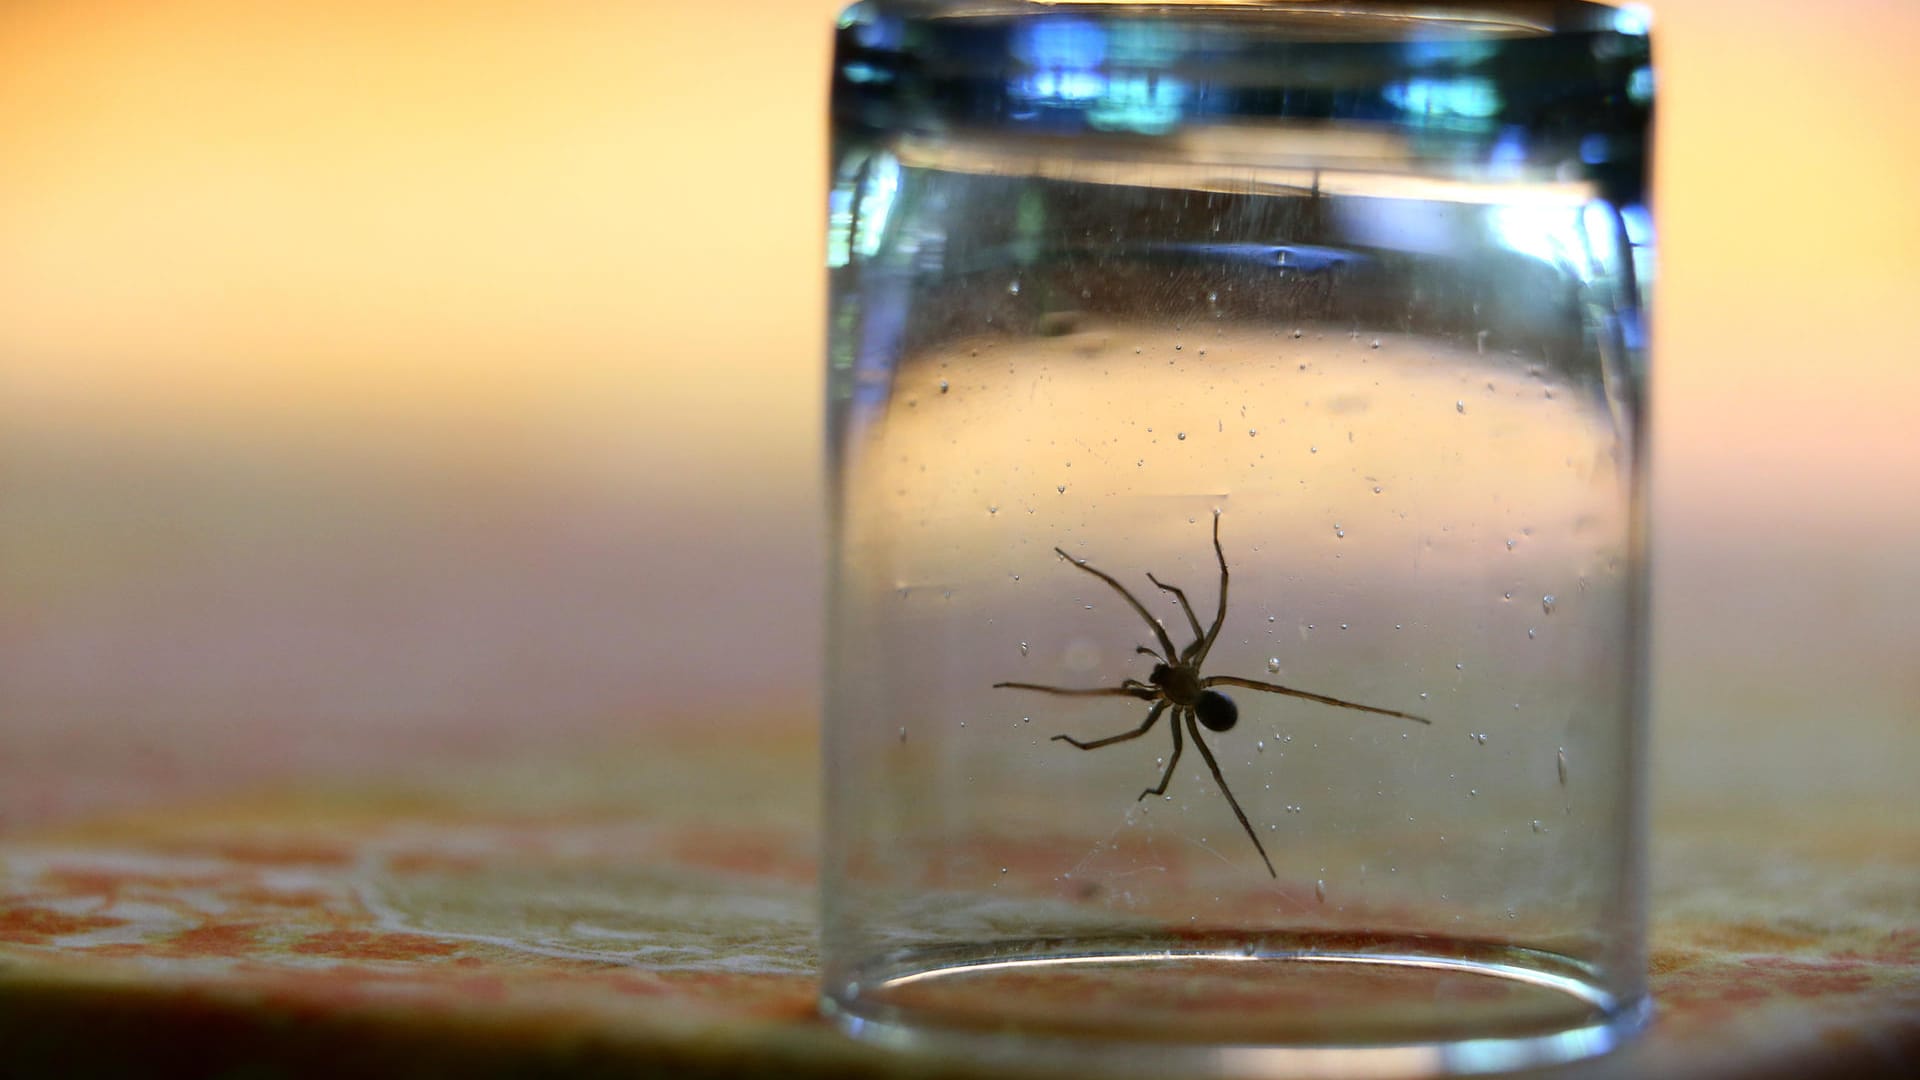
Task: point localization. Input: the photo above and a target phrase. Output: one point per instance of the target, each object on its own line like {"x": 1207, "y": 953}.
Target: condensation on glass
{"x": 1361, "y": 287}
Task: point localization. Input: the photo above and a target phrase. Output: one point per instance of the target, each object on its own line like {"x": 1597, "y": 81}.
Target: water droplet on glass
{"x": 1459, "y": 406}
{"x": 993, "y": 509}
{"x": 1213, "y": 298}
{"x": 903, "y": 734}
{"x": 1376, "y": 343}
{"x": 1560, "y": 763}
{"x": 943, "y": 386}
{"x": 1343, "y": 626}
{"x": 1537, "y": 827}
{"x": 1529, "y": 633}
{"x": 1023, "y": 648}
{"x": 1182, "y": 436}
{"x": 1320, "y": 890}
{"x": 1546, "y": 603}
{"x": 1473, "y": 793}
{"x": 1339, "y": 532}
{"x": 1509, "y": 545}
{"x": 1273, "y": 665}
{"x": 1482, "y": 737}
{"x": 1251, "y": 432}
{"x": 1313, "y": 449}
{"x": 1423, "y": 695}
{"x": 1260, "y": 746}
{"x": 1297, "y": 332}
{"x": 1376, "y": 489}
{"x": 1061, "y": 488}
{"x": 1013, "y": 288}
{"x": 1459, "y": 667}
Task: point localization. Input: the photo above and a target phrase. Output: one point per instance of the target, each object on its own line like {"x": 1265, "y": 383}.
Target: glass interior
{"x": 1354, "y": 294}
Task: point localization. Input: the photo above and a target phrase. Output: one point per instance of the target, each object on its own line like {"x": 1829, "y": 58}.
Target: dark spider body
{"x": 1176, "y": 683}
{"x": 1181, "y": 687}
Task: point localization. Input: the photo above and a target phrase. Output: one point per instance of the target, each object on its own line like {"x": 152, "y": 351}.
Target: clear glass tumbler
{"x": 1238, "y": 589}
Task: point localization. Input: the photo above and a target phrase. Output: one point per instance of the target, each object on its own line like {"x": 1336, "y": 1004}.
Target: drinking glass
{"x": 1274, "y": 371}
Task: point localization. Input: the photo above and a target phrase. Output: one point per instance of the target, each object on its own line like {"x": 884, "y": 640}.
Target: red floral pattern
{"x": 667, "y": 933}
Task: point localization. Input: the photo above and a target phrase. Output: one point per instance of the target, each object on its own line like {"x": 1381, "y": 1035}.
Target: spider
{"x": 1176, "y": 683}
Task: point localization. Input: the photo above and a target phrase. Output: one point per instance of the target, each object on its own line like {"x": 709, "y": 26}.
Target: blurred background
{"x": 385, "y": 387}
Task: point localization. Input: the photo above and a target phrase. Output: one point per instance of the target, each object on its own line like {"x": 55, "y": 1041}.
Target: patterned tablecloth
{"x": 650, "y": 908}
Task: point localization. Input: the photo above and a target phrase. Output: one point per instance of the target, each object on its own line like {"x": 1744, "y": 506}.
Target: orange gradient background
{"x": 383, "y": 385}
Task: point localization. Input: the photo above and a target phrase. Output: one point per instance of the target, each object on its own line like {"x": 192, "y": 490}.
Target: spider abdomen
{"x": 1216, "y": 710}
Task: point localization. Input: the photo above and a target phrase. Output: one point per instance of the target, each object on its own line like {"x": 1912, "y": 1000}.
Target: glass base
{"x": 1292, "y": 1005}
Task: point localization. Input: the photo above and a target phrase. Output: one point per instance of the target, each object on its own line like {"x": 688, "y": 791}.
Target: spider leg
{"x": 1145, "y": 726}
{"x": 1130, "y": 688}
{"x": 1149, "y": 652}
{"x": 1194, "y": 727}
{"x": 1173, "y": 762}
{"x": 1181, "y": 595}
{"x": 1275, "y": 688}
{"x": 1159, "y": 631}
{"x": 1214, "y": 631}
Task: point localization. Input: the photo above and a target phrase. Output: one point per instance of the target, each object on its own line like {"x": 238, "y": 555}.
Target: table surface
{"x": 649, "y": 907}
